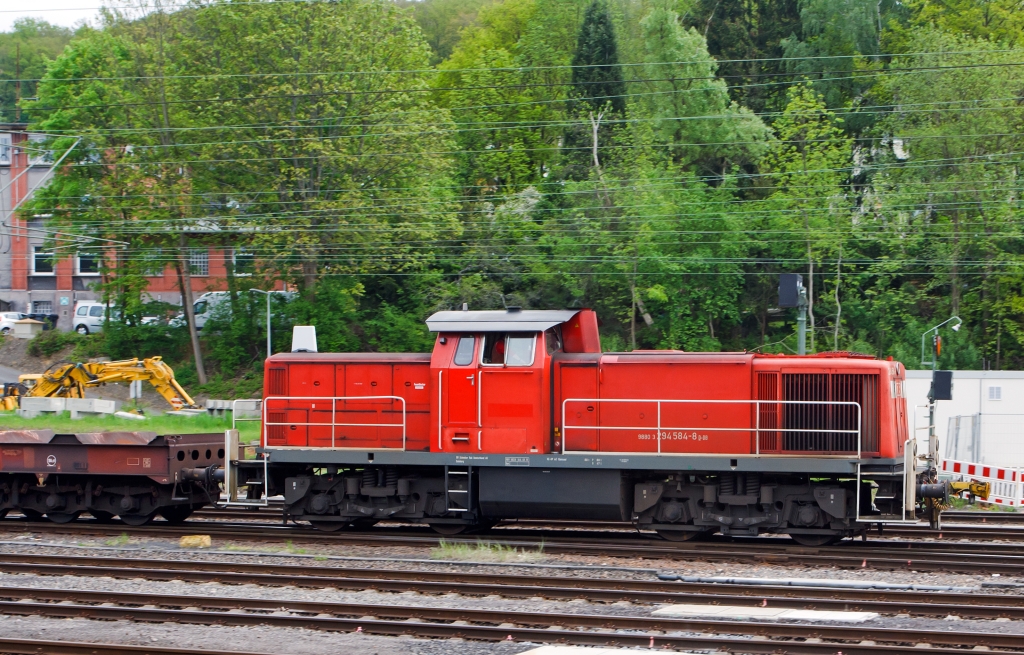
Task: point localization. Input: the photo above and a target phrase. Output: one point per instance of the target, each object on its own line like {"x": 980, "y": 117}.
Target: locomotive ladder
{"x": 458, "y": 488}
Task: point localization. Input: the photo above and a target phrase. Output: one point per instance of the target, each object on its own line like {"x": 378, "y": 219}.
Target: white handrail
{"x": 333, "y": 424}
{"x": 757, "y": 429}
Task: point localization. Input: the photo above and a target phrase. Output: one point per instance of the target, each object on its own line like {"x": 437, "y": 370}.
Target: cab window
{"x": 519, "y": 350}
{"x": 552, "y": 340}
{"x": 83, "y": 311}
{"x": 96, "y": 310}
{"x": 494, "y": 349}
{"x": 508, "y": 349}
{"x": 464, "y": 351}
{"x": 200, "y": 307}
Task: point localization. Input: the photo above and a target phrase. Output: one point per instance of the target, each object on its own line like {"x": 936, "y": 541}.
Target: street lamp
{"x": 935, "y": 329}
{"x": 267, "y": 294}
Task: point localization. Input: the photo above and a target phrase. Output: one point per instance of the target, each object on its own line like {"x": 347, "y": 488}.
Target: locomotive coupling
{"x": 943, "y": 490}
{"x": 208, "y": 476}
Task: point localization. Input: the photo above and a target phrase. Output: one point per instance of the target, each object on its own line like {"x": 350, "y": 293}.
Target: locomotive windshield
{"x": 464, "y": 353}
{"x": 508, "y": 349}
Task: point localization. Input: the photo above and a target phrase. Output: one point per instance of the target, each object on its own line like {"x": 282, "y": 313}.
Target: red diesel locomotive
{"x": 518, "y": 414}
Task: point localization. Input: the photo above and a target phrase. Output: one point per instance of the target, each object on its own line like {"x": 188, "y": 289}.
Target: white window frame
{"x": 53, "y": 263}
{"x": 504, "y": 364}
{"x": 78, "y": 265}
{"x": 201, "y": 255}
{"x": 234, "y": 260}
{"x": 995, "y": 393}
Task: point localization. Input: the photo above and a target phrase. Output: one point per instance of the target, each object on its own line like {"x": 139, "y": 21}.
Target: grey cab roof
{"x": 530, "y": 320}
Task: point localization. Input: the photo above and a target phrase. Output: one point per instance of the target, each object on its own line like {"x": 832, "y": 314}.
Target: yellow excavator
{"x": 67, "y": 380}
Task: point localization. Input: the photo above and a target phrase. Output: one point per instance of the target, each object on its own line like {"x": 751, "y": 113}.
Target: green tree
{"x": 809, "y": 205}
{"x": 703, "y": 130}
{"x": 24, "y": 54}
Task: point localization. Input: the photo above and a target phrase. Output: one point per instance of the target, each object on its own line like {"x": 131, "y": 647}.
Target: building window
{"x": 199, "y": 262}
{"x": 42, "y": 261}
{"x": 153, "y": 262}
{"x": 995, "y": 393}
{"x": 5, "y": 149}
{"x": 42, "y": 307}
{"x": 244, "y": 261}
{"x": 88, "y": 265}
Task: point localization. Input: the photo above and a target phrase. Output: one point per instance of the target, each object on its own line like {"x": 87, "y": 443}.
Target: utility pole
{"x": 793, "y": 294}
{"x": 941, "y": 389}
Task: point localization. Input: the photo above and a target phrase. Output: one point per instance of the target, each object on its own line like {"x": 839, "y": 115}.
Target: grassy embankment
{"x": 62, "y": 423}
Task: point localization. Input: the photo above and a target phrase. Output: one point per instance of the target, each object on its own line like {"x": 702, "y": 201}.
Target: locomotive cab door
{"x": 462, "y": 398}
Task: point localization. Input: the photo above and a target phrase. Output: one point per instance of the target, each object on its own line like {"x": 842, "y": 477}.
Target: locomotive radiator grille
{"x": 799, "y": 425}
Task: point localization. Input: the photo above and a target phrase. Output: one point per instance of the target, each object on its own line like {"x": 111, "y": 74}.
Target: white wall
{"x": 1002, "y": 439}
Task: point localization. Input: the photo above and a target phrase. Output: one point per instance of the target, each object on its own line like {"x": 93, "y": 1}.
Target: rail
{"x": 664, "y": 431}
{"x": 334, "y": 423}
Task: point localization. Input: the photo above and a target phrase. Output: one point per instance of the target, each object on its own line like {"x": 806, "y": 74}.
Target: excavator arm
{"x": 71, "y": 380}
{"x": 152, "y": 370}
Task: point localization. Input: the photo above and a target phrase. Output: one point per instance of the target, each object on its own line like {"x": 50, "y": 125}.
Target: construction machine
{"x": 68, "y": 380}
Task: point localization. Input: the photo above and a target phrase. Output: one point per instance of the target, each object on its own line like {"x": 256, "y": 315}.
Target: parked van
{"x": 205, "y": 305}
{"x": 90, "y": 315}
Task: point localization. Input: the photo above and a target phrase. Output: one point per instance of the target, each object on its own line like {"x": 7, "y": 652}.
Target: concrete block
{"x": 28, "y": 413}
{"x": 82, "y": 407}
{"x": 217, "y": 407}
{"x": 248, "y": 408}
{"x": 44, "y": 404}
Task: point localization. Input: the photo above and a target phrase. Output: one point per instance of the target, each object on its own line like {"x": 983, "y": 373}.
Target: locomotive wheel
{"x": 62, "y": 517}
{"x": 448, "y": 529}
{"x": 815, "y": 539}
{"x": 328, "y": 526}
{"x": 135, "y": 519}
{"x": 682, "y": 535}
{"x": 101, "y": 516}
{"x": 176, "y": 513}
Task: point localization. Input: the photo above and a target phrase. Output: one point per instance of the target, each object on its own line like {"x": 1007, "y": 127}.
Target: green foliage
{"x": 24, "y": 54}
{"x": 387, "y": 161}
{"x": 51, "y": 342}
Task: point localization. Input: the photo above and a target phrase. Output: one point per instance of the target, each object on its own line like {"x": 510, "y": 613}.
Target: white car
{"x": 90, "y": 316}
{"x": 7, "y": 320}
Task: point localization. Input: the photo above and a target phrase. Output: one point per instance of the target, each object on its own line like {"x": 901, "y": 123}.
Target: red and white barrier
{"x": 1007, "y": 483}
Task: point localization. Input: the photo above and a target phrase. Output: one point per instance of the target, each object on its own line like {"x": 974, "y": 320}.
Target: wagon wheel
{"x": 176, "y": 514}
{"x": 815, "y": 539}
{"x": 328, "y": 526}
{"x": 101, "y": 516}
{"x": 448, "y": 529}
{"x": 135, "y": 519}
{"x": 62, "y": 517}
{"x": 669, "y": 534}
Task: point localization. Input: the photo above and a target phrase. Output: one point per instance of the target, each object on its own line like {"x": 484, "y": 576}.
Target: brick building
{"x": 33, "y": 280}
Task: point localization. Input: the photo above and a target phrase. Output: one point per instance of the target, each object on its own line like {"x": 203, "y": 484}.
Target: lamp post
{"x": 933, "y": 443}
{"x": 267, "y": 294}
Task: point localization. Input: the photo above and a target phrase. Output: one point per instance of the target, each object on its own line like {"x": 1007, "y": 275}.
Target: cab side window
{"x": 552, "y": 340}
{"x": 494, "y": 349}
{"x": 96, "y": 310}
{"x": 464, "y": 351}
{"x": 519, "y": 351}
{"x": 83, "y": 311}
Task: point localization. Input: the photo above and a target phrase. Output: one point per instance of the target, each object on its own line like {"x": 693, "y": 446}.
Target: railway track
{"x": 490, "y": 625}
{"x": 957, "y": 525}
{"x": 37, "y": 646}
{"x": 956, "y": 557}
{"x": 916, "y": 603}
